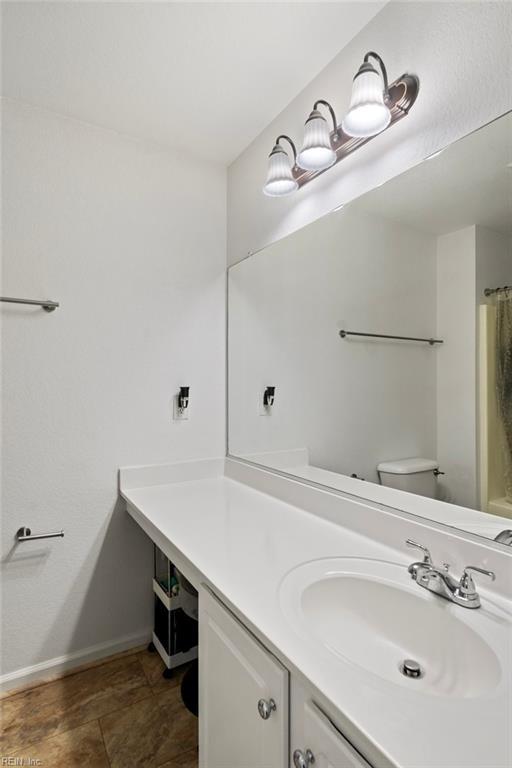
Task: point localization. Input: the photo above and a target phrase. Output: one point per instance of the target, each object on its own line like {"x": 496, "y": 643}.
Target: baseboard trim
{"x": 46, "y": 671}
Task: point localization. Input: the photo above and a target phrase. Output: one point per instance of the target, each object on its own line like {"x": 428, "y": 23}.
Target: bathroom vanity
{"x": 355, "y": 587}
{"x": 308, "y": 613}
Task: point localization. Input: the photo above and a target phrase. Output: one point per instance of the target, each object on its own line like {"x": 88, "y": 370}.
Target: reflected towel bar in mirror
{"x": 344, "y": 334}
{"x": 25, "y": 534}
{"x": 47, "y": 305}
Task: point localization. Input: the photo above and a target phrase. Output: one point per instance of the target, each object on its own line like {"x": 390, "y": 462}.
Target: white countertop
{"x": 242, "y": 542}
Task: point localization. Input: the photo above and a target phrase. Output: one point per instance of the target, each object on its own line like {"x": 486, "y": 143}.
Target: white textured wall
{"x": 456, "y": 366}
{"x": 131, "y": 240}
{"x": 493, "y": 261}
{"x": 351, "y": 403}
{"x": 462, "y": 55}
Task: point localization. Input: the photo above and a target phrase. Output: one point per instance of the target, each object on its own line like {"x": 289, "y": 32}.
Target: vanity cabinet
{"x": 315, "y": 741}
{"x": 243, "y": 695}
{"x": 246, "y": 717}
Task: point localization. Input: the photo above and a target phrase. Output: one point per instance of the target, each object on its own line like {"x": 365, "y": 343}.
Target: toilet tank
{"x": 413, "y": 475}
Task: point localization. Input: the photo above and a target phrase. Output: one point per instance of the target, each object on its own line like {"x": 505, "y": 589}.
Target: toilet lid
{"x": 407, "y": 466}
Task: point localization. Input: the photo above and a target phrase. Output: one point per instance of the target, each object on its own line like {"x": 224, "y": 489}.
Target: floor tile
{"x": 81, "y": 747}
{"x": 154, "y": 666}
{"x": 72, "y": 701}
{"x": 51, "y": 678}
{"x": 148, "y": 733}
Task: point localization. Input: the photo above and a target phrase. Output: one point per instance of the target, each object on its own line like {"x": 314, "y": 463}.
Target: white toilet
{"x": 413, "y": 475}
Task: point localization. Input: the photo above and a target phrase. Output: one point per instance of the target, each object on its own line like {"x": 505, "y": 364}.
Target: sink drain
{"x": 411, "y": 668}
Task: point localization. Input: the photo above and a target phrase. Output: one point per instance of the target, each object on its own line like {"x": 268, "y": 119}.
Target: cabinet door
{"x": 324, "y": 746}
{"x": 235, "y": 673}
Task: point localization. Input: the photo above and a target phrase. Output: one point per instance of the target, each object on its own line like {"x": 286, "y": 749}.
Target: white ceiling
{"x": 203, "y": 77}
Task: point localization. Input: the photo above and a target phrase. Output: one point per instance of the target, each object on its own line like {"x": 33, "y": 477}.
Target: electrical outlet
{"x": 178, "y": 413}
{"x": 263, "y": 410}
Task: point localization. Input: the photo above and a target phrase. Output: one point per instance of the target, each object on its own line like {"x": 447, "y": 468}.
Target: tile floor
{"x": 119, "y": 714}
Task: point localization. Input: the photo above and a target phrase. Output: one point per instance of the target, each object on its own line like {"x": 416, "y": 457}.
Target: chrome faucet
{"x": 439, "y": 581}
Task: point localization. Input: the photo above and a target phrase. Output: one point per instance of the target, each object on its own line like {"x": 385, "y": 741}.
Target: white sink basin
{"x": 370, "y": 613}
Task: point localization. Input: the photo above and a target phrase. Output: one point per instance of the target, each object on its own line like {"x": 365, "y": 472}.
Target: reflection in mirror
{"x": 425, "y": 256}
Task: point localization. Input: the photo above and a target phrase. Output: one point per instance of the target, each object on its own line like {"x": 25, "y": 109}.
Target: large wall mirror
{"x": 322, "y": 384}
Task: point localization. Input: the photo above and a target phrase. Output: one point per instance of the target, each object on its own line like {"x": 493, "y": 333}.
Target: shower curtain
{"x": 504, "y": 378}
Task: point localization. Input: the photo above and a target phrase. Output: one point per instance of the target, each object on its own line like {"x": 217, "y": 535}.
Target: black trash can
{"x": 190, "y": 688}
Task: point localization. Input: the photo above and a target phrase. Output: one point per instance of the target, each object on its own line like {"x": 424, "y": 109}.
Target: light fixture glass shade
{"x": 368, "y": 113}
{"x": 280, "y": 179}
{"x": 316, "y": 153}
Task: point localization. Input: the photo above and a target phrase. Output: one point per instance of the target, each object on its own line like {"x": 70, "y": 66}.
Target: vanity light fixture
{"x": 375, "y": 106}
{"x": 317, "y": 153}
{"x": 369, "y": 113}
{"x": 280, "y": 180}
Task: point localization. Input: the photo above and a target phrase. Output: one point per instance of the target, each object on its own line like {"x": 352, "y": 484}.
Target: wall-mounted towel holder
{"x": 25, "y": 534}
{"x": 47, "y": 305}
{"x": 344, "y": 335}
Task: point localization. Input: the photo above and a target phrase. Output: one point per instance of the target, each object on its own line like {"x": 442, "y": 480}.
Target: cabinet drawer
{"x": 328, "y": 746}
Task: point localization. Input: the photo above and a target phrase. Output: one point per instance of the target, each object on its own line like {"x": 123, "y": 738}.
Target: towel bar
{"x": 25, "y": 534}
{"x": 47, "y": 305}
{"x": 344, "y": 334}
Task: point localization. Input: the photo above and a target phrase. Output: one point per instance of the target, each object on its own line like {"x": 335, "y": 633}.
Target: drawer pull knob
{"x": 265, "y": 708}
{"x": 303, "y": 759}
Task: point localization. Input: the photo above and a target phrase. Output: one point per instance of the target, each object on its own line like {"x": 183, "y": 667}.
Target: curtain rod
{"x": 490, "y": 291}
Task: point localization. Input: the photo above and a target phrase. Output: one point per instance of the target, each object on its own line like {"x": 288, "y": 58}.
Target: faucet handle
{"x": 467, "y": 585}
{"x": 427, "y": 559}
